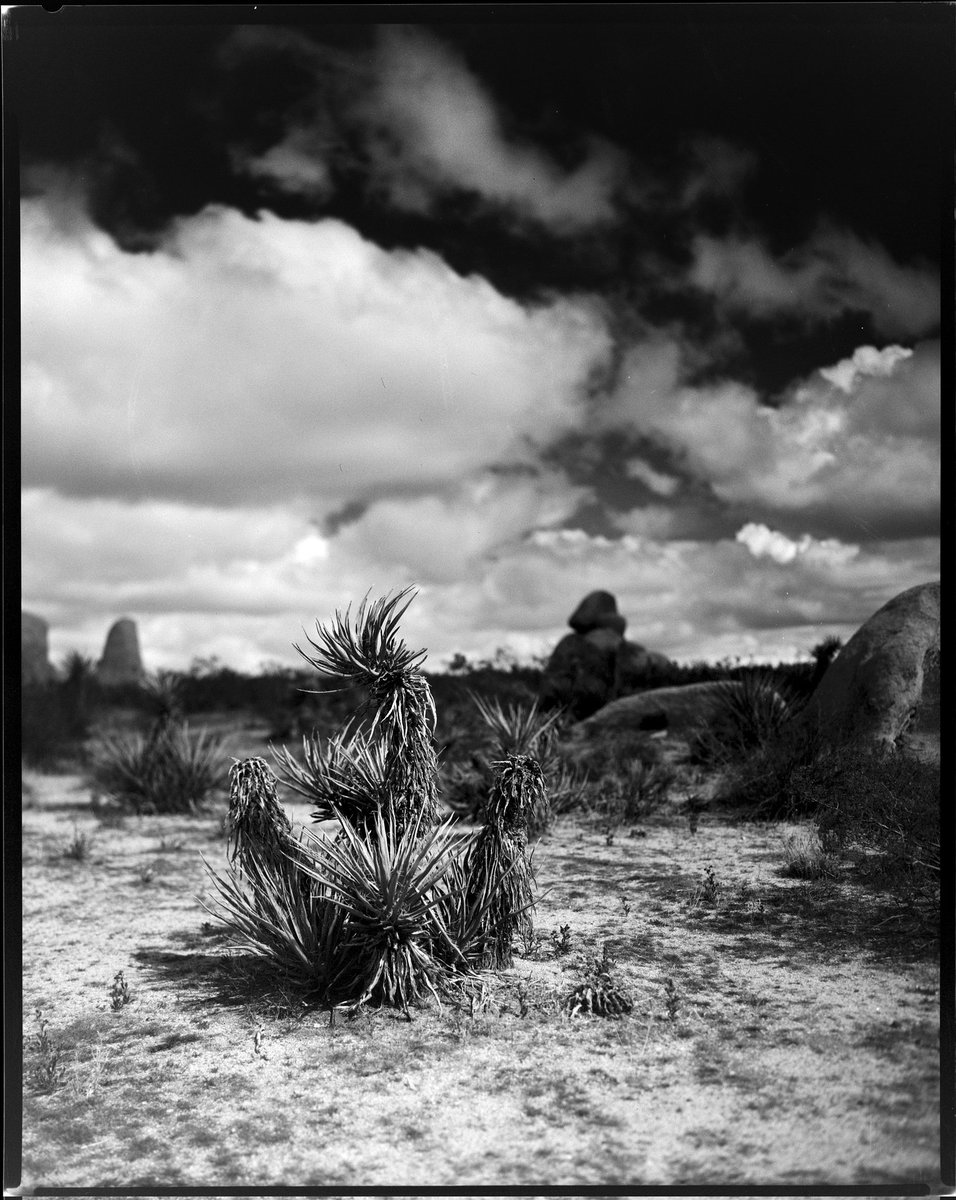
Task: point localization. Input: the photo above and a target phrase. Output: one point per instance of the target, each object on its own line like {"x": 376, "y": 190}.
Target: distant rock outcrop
{"x": 882, "y": 688}
{"x": 121, "y": 662}
{"x": 595, "y": 663}
{"x": 35, "y": 664}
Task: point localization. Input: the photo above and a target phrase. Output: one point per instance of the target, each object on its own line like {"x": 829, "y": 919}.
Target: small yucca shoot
{"x": 399, "y": 718}
{"x": 517, "y": 729}
{"x": 258, "y": 826}
{"x": 499, "y": 864}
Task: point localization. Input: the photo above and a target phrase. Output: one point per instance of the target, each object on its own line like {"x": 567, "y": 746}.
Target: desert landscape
{"x": 478, "y": 549}
{"x": 705, "y": 994}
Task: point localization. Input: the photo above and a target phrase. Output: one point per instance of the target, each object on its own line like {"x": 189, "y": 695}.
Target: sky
{"x": 509, "y": 308}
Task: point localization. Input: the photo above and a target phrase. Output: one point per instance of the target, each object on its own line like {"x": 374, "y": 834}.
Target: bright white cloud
{"x": 865, "y": 360}
{"x": 279, "y": 359}
{"x": 440, "y": 129}
{"x": 868, "y": 455}
{"x": 833, "y": 273}
{"x": 763, "y": 542}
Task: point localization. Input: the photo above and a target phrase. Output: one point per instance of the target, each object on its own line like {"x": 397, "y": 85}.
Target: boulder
{"x": 594, "y": 664}
{"x": 882, "y": 689}
{"x": 639, "y": 668}
{"x": 579, "y": 674}
{"x": 121, "y": 662}
{"x": 35, "y": 664}
{"x": 598, "y": 610}
{"x": 676, "y": 709}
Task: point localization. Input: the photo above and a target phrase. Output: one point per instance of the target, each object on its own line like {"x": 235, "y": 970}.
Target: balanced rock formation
{"x": 34, "y": 649}
{"x": 121, "y": 662}
{"x": 882, "y": 689}
{"x": 598, "y": 610}
{"x": 595, "y": 663}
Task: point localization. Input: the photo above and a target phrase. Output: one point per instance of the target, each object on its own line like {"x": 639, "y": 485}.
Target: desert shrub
{"x": 55, "y": 717}
{"x": 880, "y": 801}
{"x": 632, "y": 791}
{"x": 171, "y": 769}
{"x": 751, "y": 713}
{"x": 805, "y": 857}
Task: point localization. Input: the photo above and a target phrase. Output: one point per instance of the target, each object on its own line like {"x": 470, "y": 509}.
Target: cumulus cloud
{"x": 281, "y": 359}
{"x": 833, "y": 273}
{"x": 770, "y": 543}
{"x": 865, "y": 458}
{"x": 865, "y": 360}
{"x": 244, "y": 584}
{"x": 437, "y": 128}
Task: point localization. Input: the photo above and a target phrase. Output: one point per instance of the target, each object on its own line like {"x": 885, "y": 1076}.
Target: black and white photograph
{"x": 478, "y": 534}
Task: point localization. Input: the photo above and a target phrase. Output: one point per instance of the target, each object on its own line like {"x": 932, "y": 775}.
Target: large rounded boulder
{"x": 680, "y": 710}
{"x": 882, "y": 689}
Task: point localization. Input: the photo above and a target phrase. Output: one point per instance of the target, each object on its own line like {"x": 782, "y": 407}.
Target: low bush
{"x": 633, "y": 791}
{"x": 56, "y": 717}
{"x": 883, "y": 802}
{"x": 751, "y": 714}
{"x": 171, "y": 769}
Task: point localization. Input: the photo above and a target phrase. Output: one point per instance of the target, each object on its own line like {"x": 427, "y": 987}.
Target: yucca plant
{"x": 751, "y": 713}
{"x": 382, "y": 918}
{"x": 396, "y": 905}
{"x": 524, "y": 731}
{"x": 388, "y": 888}
{"x": 265, "y": 899}
{"x": 498, "y": 863}
{"x": 385, "y": 760}
{"x": 168, "y": 770}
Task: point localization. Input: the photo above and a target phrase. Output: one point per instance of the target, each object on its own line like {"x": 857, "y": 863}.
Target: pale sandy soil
{"x": 803, "y": 1050}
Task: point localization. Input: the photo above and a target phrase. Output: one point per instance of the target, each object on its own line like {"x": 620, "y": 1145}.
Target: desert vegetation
{"x": 469, "y": 942}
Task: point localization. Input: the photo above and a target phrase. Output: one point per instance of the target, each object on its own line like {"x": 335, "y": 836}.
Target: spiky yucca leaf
{"x": 751, "y": 713}
{"x": 371, "y": 651}
{"x": 395, "y": 936}
{"x": 517, "y": 729}
{"x": 346, "y": 776}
